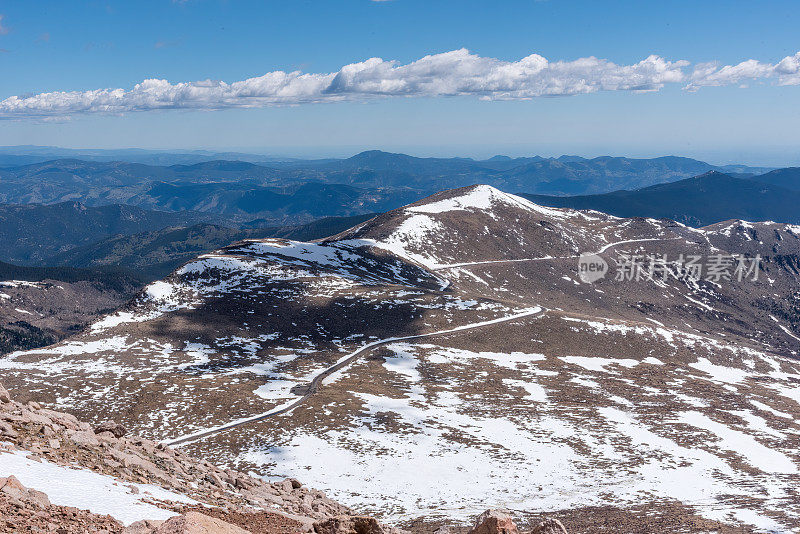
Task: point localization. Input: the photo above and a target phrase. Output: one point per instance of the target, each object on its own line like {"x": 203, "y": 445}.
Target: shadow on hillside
{"x": 250, "y": 324}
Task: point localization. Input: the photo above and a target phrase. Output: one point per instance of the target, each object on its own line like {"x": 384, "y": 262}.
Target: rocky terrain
{"x": 449, "y": 356}
{"x": 101, "y": 478}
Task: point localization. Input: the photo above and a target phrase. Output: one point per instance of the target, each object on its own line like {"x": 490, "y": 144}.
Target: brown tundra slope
{"x": 38, "y": 313}
{"x": 446, "y": 357}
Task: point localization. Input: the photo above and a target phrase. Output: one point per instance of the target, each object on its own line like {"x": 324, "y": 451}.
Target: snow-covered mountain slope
{"x": 771, "y": 238}
{"x": 447, "y": 357}
{"x": 479, "y": 223}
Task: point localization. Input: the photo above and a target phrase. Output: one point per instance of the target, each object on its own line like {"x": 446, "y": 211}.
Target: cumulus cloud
{"x": 455, "y": 73}
{"x": 785, "y": 72}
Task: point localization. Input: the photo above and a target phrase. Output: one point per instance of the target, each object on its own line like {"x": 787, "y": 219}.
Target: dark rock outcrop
{"x": 116, "y": 429}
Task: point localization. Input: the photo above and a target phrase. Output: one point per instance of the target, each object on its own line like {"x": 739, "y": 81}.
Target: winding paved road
{"x": 339, "y": 365}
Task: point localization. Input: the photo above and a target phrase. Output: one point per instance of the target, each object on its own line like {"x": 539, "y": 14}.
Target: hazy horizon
{"x": 343, "y": 152}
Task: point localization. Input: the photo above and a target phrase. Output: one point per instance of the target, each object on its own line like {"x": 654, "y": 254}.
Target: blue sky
{"x": 84, "y": 46}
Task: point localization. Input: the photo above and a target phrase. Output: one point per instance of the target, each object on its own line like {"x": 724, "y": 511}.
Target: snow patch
{"x": 87, "y": 490}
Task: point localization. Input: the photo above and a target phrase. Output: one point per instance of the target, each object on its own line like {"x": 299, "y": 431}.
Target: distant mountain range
{"x": 788, "y": 178}
{"x": 237, "y": 190}
{"x": 700, "y": 201}
{"x": 559, "y": 176}
{"x": 29, "y": 234}
{"x": 27, "y": 154}
{"x": 299, "y": 191}
{"x": 153, "y": 217}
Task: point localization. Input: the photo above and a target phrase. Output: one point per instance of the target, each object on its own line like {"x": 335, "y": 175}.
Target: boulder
{"x": 12, "y": 487}
{"x": 82, "y": 438}
{"x": 349, "y": 524}
{"x": 549, "y": 526}
{"x": 130, "y": 460}
{"x": 4, "y": 396}
{"x": 494, "y": 522}
{"x": 62, "y": 419}
{"x": 110, "y": 426}
{"x": 15, "y": 494}
{"x": 7, "y": 431}
{"x": 197, "y": 523}
{"x": 38, "y": 498}
{"x": 30, "y": 417}
{"x": 145, "y": 526}
{"x": 214, "y": 479}
{"x": 11, "y": 482}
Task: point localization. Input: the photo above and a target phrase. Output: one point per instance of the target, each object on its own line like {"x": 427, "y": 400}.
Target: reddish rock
{"x": 7, "y": 431}
{"x": 12, "y": 487}
{"x": 38, "y": 498}
{"x": 82, "y": 438}
{"x": 349, "y": 524}
{"x": 145, "y": 526}
{"x": 65, "y": 420}
{"x": 494, "y": 522}
{"x": 197, "y": 523}
{"x": 11, "y": 482}
{"x": 4, "y": 396}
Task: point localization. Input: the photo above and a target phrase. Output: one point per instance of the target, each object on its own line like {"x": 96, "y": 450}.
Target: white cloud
{"x": 785, "y": 72}
{"x": 455, "y": 73}
{"x": 3, "y": 29}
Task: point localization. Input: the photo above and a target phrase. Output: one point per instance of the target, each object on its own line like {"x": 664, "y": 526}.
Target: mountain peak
{"x": 436, "y": 231}
{"x": 370, "y": 154}
{"x": 480, "y": 197}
